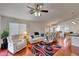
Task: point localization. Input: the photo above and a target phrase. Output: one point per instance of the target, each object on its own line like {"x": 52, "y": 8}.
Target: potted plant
{"x": 4, "y": 36}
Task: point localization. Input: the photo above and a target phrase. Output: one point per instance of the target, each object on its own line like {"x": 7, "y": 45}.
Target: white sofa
{"x": 37, "y": 39}
{"x": 15, "y": 44}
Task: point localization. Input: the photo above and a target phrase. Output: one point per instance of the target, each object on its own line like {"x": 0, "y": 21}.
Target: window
{"x": 17, "y": 28}
{"x": 58, "y": 28}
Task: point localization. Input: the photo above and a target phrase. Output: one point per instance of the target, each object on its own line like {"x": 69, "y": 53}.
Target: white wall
{"x": 0, "y": 31}
{"x": 31, "y": 25}
{"x": 69, "y": 26}
{"x": 72, "y": 27}
{"x": 0, "y": 23}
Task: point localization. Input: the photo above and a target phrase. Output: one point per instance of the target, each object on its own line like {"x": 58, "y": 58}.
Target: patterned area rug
{"x": 4, "y": 52}
{"x": 38, "y": 50}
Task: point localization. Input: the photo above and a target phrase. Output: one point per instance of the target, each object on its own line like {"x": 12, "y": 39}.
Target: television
{"x": 36, "y": 33}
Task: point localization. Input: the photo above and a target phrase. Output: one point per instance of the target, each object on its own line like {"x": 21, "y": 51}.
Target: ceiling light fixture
{"x": 73, "y": 17}
{"x": 37, "y": 14}
{"x": 73, "y": 23}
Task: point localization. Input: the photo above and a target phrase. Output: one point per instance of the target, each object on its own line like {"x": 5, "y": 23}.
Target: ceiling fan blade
{"x": 32, "y": 12}
{"x": 46, "y": 11}
{"x": 30, "y": 7}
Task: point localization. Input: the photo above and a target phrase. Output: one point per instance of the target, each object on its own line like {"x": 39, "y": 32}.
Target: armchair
{"x": 15, "y": 44}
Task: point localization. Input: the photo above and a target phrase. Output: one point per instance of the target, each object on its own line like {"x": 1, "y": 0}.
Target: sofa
{"x": 37, "y": 39}
{"x": 16, "y": 43}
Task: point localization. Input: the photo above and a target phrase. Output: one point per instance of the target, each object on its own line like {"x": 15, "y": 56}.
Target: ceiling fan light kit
{"x": 37, "y": 9}
{"x": 37, "y": 14}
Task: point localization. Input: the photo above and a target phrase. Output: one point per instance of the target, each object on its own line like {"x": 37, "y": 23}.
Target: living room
{"x": 51, "y": 26}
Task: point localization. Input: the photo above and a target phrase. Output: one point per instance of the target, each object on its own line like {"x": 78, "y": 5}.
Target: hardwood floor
{"x": 67, "y": 51}
{"x": 75, "y": 50}
{"x": 62, "y": 52}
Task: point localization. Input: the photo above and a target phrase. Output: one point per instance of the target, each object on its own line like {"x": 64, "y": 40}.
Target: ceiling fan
{"x": 37, "y": 9}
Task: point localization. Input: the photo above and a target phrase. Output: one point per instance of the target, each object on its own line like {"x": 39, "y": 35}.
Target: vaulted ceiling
{"x": 57, "y": 11}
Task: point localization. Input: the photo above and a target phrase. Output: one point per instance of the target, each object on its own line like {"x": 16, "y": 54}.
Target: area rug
{"x": 39, "y": 51}
{"x": 4, "y": 52}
